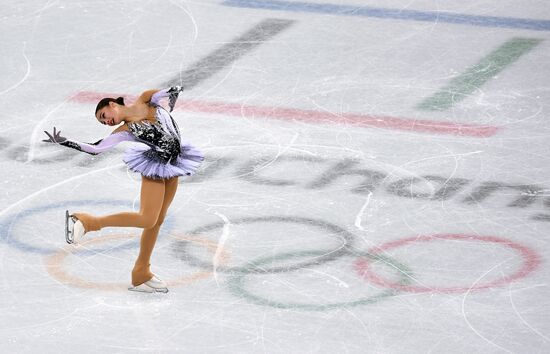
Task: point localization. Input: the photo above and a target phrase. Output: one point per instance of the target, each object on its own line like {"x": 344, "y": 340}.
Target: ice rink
{"x": 376, "y": 177}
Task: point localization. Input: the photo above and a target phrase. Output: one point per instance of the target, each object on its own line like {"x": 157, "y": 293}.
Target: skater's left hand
{"x": 174, "y": 92}
{"x": 176, "y": 89}
{"x": 56, "y": 138}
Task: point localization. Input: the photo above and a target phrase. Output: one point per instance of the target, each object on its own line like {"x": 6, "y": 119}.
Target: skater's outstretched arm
{"x": 90, "y": 148}
{"x": 156, "y": 95}
{"x": 145, "y": 97}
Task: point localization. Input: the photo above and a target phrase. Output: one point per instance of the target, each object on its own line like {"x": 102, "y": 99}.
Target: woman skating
{"x": 160, "y": 159}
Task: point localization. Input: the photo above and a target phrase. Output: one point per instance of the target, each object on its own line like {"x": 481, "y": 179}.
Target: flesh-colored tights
{"x": 156, "y": 196}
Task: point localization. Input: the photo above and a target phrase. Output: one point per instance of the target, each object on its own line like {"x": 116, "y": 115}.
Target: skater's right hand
{"x": 56, "y": 138}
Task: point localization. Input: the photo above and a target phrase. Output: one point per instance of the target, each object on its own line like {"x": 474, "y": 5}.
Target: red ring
{"x": 531, "y": 261}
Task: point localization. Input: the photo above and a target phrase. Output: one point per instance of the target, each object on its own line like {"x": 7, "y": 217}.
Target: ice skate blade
{"x": 74, "y": 232}
{"x": 68, "y": 233}
{"x": 144, "y": 288}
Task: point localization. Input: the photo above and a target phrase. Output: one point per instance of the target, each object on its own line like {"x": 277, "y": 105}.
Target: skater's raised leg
{"x": 151, "y": 198}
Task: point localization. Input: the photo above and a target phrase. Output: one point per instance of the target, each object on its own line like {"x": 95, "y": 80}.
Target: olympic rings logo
{"x": 382, "y": 273}
{"x": 364, "y": 264}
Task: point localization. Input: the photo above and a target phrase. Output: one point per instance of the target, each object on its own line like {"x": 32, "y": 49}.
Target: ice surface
{"x": 332, "y": 214}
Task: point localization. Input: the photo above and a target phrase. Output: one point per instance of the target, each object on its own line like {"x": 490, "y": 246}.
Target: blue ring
{"x": 5, "y": 226}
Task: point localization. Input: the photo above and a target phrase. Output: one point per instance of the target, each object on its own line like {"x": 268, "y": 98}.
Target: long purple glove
{"x": 91, "y": 148}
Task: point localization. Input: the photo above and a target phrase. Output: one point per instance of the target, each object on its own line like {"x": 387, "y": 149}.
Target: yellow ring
{"x": 54, "y": 264}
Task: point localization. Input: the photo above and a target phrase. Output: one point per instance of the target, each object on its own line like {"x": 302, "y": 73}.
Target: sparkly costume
{"x": 162, "y": 154}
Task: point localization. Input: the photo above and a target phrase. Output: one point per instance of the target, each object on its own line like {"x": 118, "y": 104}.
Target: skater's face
{"x": 108, "y": 115}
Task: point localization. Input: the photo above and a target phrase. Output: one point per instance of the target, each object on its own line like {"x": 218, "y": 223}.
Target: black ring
{"x": 180, "y": 247}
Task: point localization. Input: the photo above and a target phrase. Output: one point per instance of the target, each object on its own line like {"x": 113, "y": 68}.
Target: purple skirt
{"x": 139, "y": 159}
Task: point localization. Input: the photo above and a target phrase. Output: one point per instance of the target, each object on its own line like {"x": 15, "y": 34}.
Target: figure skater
{"x": 160, "y": 159}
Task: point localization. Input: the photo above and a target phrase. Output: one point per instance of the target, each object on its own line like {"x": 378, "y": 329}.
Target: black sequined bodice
{"x": 164, "y": 146}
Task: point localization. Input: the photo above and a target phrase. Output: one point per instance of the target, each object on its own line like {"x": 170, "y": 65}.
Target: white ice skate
{"x": 75, "y": 231}
{"x": 151, "y": 286}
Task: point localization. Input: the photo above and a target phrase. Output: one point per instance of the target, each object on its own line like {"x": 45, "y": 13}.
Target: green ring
{"x": 237, "y": 287}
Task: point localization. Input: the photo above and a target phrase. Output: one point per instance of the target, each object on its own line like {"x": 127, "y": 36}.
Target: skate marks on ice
{"x": 239, "y": 110}
{"x": 290, "y": 273}
{"x": 530, "y": 261}
{"x": 311, "y": 298}
{"x": 360, "y": 179}
{"x": 487, "y": 68}
{"x": 344, "y": 242}
{"x": 402, "y": 14}
{"x": 229, "y": 53}
{"x": 21, "y": 232}
{"x": 432, "y": 186}
{"x": 288, "y": 255}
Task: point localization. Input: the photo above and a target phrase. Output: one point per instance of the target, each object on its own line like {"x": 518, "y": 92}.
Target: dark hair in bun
{"x": 104, "y": 102}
